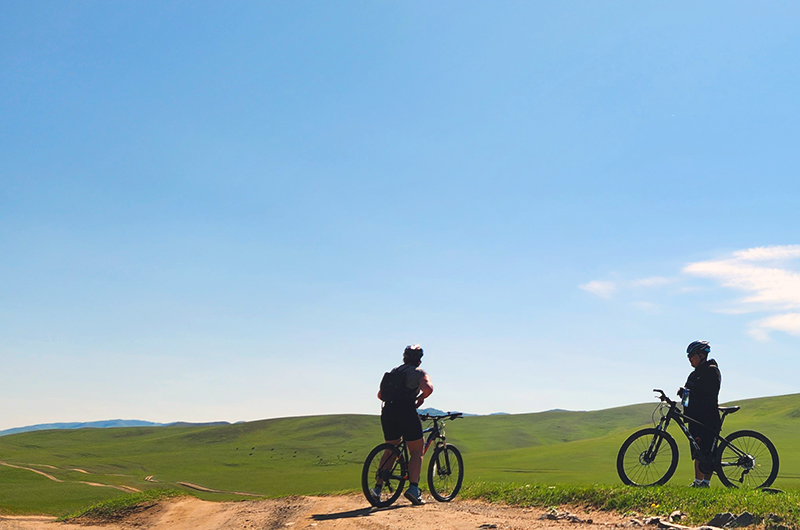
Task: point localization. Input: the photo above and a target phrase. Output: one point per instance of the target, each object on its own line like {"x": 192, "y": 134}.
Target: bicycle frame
{"x": 389, "y": 465}
{"x": 434, "y": 432}
{"x": 743, "y": 458}
{"x": 673, "y": 414}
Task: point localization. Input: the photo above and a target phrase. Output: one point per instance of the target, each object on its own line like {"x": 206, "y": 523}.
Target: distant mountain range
{"x": 436, "y": 412}
{"x": 107, "y": 424}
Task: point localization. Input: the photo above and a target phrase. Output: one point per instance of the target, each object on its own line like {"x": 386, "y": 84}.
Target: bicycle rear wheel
{"x": 445, "y": 473}
{"x": 747, "y": 459}
{"x": 647, "y": 458}
{"x": 384, "y": 475}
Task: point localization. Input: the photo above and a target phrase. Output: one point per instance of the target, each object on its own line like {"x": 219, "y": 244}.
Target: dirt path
{"x": 348, "y": 512}
{"x": 126, "y": 489}
{"x": 42, "y": 473}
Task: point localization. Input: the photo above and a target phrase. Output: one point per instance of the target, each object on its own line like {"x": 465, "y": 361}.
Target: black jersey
{"x": 704, "y": 383}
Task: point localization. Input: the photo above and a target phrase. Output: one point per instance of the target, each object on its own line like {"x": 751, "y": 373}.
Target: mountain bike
{"x": 649, "y": 457}
{"x": 385, "y": 470}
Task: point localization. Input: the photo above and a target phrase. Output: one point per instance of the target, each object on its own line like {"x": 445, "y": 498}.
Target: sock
{"x": 706, "y": 481}
{"x": 414, "y": 486}
{"x": 698, "y": 481}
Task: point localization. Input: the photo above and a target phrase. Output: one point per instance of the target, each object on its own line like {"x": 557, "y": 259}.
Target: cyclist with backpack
{"x": 402, "y": 391}
{"x": 700, "y": 395}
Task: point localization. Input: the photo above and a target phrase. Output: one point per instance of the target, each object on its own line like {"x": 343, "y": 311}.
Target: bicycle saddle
{"x": 729, "y": 410}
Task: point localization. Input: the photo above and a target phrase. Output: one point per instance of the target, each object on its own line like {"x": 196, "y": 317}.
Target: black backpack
{"x": 394, "y": 386}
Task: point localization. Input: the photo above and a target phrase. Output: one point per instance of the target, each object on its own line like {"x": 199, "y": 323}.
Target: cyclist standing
{"x": 700, "y": 394}
{"x": 399, "y": 418}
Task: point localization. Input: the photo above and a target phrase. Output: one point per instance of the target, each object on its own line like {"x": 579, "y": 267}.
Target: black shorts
{"x": 704, "y": 436}
{"x": 400, "y": 420}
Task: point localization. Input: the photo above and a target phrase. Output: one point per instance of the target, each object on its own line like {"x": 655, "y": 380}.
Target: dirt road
{"x": 349, "y": 512}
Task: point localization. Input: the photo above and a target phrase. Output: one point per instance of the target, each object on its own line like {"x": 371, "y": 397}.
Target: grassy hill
{"x": 323, "y": 454}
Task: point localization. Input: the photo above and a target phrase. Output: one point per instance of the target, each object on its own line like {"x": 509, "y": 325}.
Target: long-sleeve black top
{"x": 704, "y": 383}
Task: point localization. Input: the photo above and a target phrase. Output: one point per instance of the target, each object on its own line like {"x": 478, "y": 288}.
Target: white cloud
{"x": 606, "y": 289}
{"x": 768, "y": 278}
{"x": 600, "y": 288}
{"x": 654, "y": 281}
{"x": 769, "y": 285}
{"x": 770, "y": 288}
{"x": 768, "y": 253}
{"x": 788, "y": 323}
{"x": 758, "y": 333}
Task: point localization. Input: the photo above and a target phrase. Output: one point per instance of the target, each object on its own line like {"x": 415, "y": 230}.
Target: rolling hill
{"x": 59, "y": 470}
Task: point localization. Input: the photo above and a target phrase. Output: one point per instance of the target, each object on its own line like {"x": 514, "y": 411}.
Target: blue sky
{"x": 234, "y": 211}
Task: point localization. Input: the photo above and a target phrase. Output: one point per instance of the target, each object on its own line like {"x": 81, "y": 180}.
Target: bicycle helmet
{"x": 413, "y": 354}
{"x": 698, "y": 346}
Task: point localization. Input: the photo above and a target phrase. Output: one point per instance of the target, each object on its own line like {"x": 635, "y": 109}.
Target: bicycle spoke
{"x": 383, "y": 475}
{"x": 747, "y": 461}
{"x": 442, "y": 474}
{"x": 445, "y": 473}
{"x": 647, "y": 458}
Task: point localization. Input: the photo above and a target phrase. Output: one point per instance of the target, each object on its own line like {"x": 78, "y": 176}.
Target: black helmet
{"x": 698, "y": 346}
{"x": 413, "y": 354}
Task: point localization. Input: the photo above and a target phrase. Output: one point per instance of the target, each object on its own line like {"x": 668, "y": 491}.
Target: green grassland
{"x": 770, "y": 511}
{"x": 323, "y": 454}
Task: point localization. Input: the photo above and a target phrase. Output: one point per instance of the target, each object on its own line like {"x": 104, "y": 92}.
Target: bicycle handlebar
{"x": 449, "y": 415}
{"x": 663, "y": 396}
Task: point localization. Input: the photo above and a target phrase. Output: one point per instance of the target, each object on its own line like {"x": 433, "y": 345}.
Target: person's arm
{"x": 425, "y": 388}
{"x": 687, "y": 384}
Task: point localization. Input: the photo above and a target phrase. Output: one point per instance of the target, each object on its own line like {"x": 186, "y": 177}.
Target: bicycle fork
{"x": 649, "y": 455}
{"x": 442, "y": 463}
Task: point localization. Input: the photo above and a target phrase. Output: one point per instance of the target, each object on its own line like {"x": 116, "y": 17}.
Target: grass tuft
{"x": 123, "y": 505}
{"x": 770, "y": 509}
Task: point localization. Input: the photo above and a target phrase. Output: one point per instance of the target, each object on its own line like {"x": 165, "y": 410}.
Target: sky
{"x": 245, "y": 210}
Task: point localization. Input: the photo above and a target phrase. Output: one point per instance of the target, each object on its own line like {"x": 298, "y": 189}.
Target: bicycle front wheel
{"x": 384, "y": 475}
{"x": 747, "y": 459}
{"x": 647, "y": 458}
{"x": 445, "y": 473}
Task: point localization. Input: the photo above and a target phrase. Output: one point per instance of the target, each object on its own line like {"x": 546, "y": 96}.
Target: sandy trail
{"x": 197, "y": 487}
{"x": 126, "y": 489}
{"x": 349, "y": 512}
{"x": 42, "y": 473}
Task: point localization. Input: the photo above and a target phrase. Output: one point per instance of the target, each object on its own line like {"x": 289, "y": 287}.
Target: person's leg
{"x": 698, "y": 475}
{"x": 412, "y": 434}
{"x": 704, "y": 439}
{"x": 391, "y": 434}
{"x": 413, "y": 492}
{"x": 414, "y": 460}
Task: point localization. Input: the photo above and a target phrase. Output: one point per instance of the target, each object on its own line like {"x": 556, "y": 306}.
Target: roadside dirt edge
{"x": 348, "y": 512}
